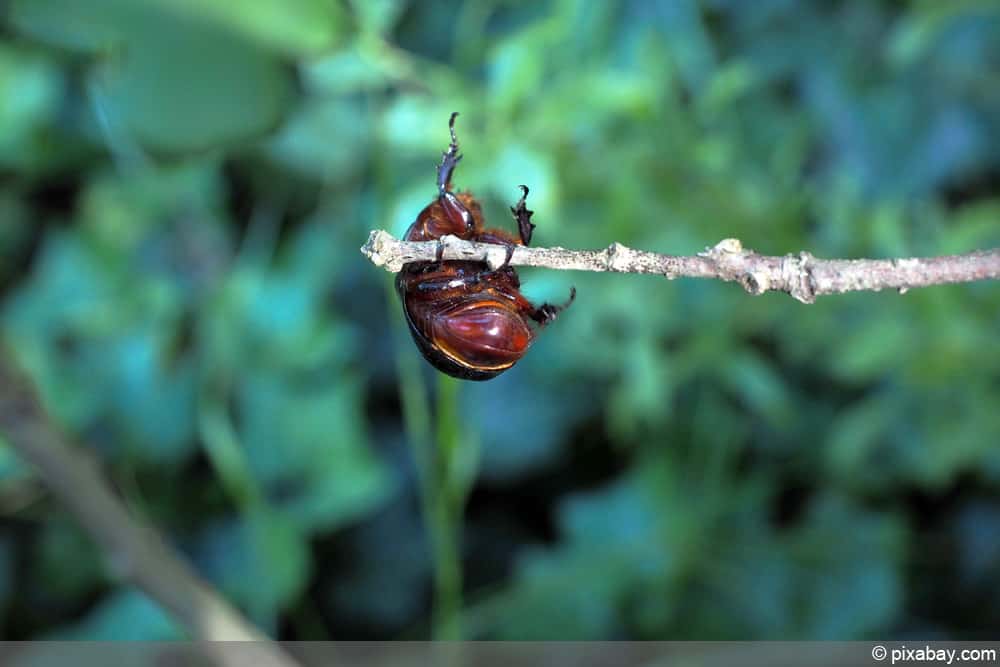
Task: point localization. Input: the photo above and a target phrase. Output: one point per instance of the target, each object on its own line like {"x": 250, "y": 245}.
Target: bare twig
{"x": 134, "y": 552}
{"x": 801, "y": 275}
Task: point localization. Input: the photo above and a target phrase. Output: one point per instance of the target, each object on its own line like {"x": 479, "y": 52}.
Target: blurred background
{"x": 184, "y": 186}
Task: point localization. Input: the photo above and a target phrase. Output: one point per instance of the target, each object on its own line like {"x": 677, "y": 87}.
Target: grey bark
{"x": 801, "y": 275}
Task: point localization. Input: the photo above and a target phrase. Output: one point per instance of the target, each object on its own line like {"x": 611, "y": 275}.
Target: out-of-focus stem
{"x": 134, "y": 551}
{"x": 431, "y": 463}
{"x": 449, "y": 503}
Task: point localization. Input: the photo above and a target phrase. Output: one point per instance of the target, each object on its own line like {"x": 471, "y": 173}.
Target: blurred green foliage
{"x": 183, "y": 189}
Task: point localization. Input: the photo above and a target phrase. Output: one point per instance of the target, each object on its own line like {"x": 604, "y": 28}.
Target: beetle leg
{"x": 449, "y": 159}
{"x": 507, "y": 257}
{"x": 547, "y": 312}
{"x": 442, "y": 287}
{"x": 491, "y": 273}
{"x": 439, "y": 253}
{"x": 523, "y": 216}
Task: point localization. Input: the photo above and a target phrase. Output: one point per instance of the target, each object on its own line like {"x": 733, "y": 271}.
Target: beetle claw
{"x": 548, "y": 312}
{"x": 523, "y": 216}
{"x": 507, "y": 257}
{"x": 449, "y": 159}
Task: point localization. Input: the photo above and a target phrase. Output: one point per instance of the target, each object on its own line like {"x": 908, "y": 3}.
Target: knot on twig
{"x": 618, "y": 260}
{"x": 371, "y": 248}
{"x": 796, "y": 276}
{"x": 743, "y": 265}
{"x": 382, "y": 249}
{"x": 494, "y": 255}
{"x": 755, "y": 283}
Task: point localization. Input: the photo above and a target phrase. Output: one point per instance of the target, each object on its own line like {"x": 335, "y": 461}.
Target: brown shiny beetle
{"x": 469, "y": 321}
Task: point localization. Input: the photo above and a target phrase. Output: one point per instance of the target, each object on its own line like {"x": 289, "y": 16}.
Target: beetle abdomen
{"x": 486, "y": 334}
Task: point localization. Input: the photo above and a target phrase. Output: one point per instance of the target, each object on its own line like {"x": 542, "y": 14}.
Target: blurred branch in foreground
{"x": 134, "y": 552}
{"x": 803, "y": 276}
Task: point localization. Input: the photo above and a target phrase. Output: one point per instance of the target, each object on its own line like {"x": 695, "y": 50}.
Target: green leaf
{"x": 378, "y": 16}
{"x": 310, "y": 450}
{"x": 11, "y": 465}
{"x": 857, "y": 435}
{"x": 323, "y": 139}
{"x": 760, "y": 387}
{"x": 294, "y": 27}
{"x": 30, "y": 91}
{"x": 847, "y": 569}
{"x": 81, "y": 26}
{"x": 260, "y": 559}
{"x": 154, "y": 404}
{"x": 171, "y": 81}
{"x": 872, "y": 347}
{"x": 183, "y": 86}
{"x": 125, "y": 615}
{"x": 55, "y": 579}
